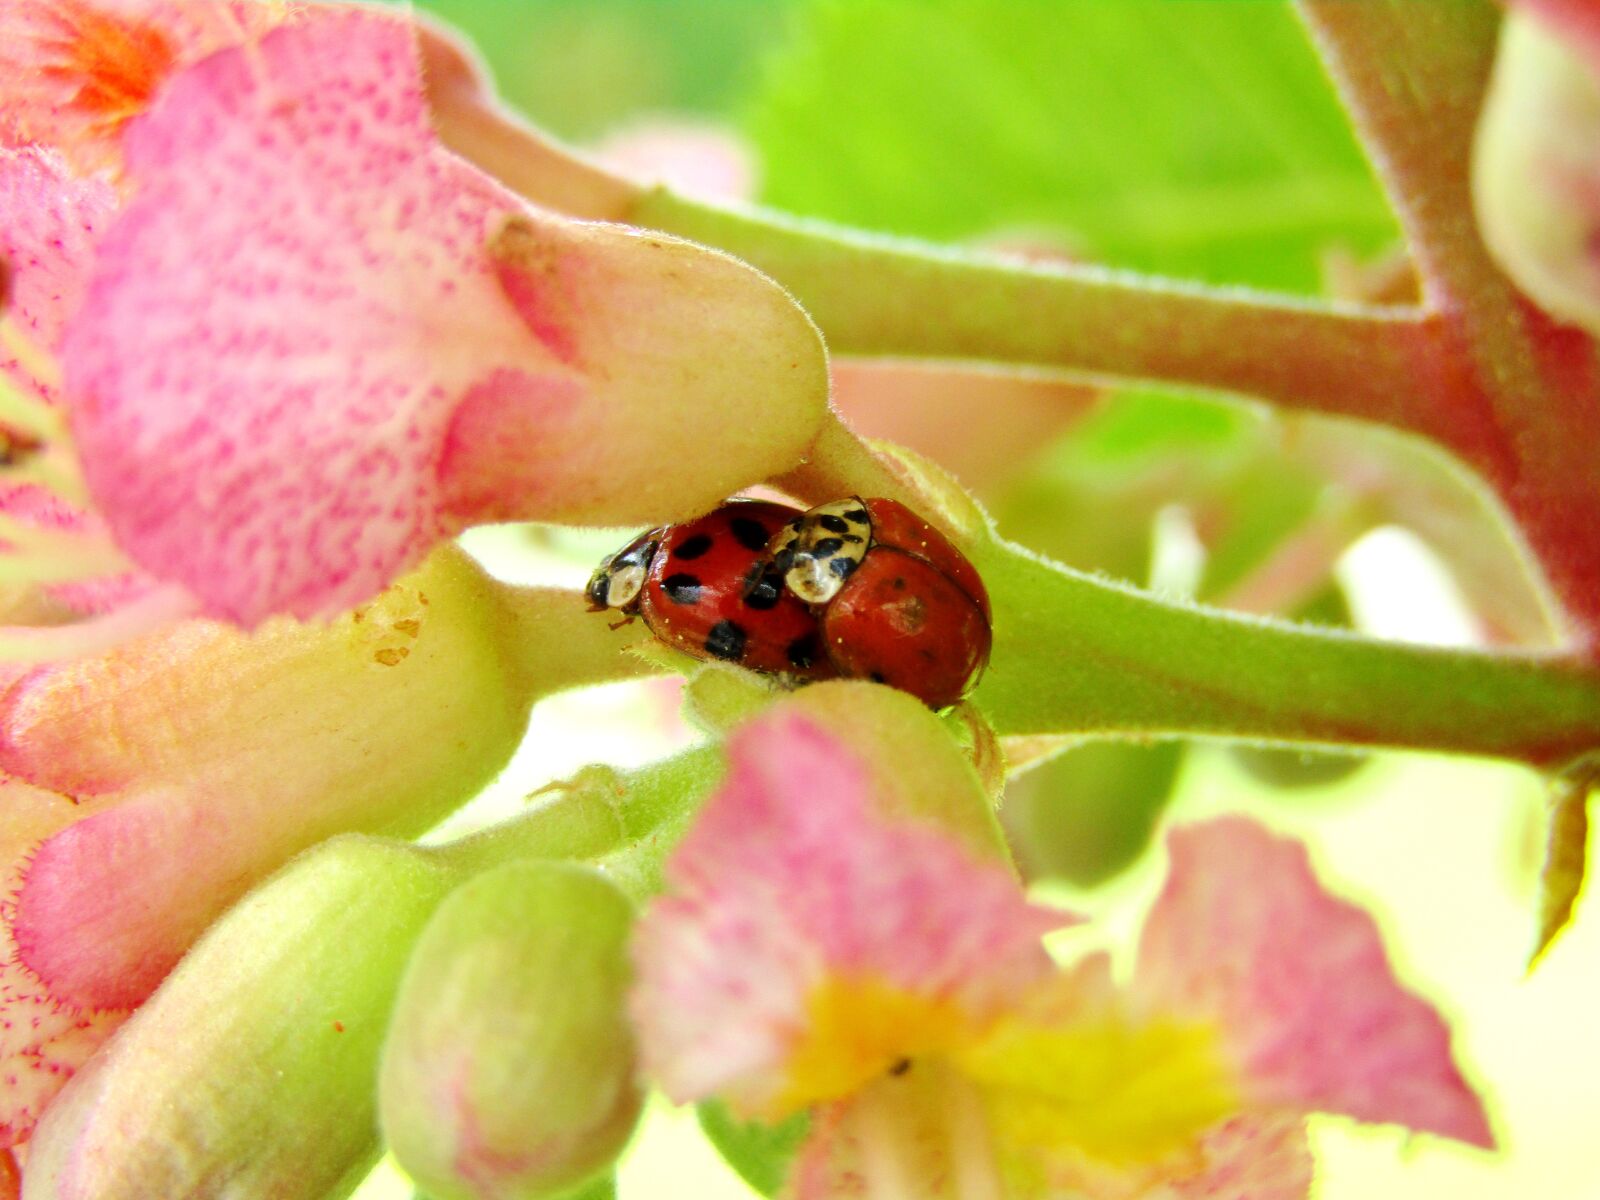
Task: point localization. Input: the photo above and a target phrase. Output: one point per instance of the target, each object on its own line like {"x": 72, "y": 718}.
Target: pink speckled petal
{"x": 281, "y": 321}
{"x": 317, "y": 342}
{"x": 48, "y": 224}
{"x": 107, "y": 906}
{"x": 788, "y": 880}
{"x": 1244, "y": 932}
{"x": 42, "y": 1039}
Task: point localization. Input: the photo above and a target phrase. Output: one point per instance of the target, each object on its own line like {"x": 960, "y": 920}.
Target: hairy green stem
{"x": 624, "y": 822}
{"x": 1075, "y": 654}
{"x": 880, "y": 296}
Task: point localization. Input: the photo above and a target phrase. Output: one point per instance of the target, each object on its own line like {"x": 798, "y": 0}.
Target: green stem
{"x": 553, "y": 642}
{"x": 1075, "y": 654}
{"x": 880, "y": 296}
{"x": 622, "y": 821}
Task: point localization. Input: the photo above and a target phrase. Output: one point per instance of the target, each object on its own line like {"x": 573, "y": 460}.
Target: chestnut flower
{"x": 814, "y": 953}
{"x": 293, "y": 342}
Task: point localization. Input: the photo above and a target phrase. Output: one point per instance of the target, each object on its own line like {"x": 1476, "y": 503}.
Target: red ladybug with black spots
{"x": 896, "y": 601}
{"x": 706, "y": 587}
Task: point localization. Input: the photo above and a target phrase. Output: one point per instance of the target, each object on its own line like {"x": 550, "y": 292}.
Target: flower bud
{"x": 250, "y": 1071}
{"x": 214, "y": 756}
{"x": 509, "y": 1068}
{"x": 918, "y": 769}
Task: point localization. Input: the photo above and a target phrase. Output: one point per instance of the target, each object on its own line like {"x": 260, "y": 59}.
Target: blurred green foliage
{"x": 1190, "y": 137}
{"x": 1195, "y": 139}
{"x": 581, "y": 67}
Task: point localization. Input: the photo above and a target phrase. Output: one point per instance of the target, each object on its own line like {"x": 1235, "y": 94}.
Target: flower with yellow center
{"x": 816, "y": 951}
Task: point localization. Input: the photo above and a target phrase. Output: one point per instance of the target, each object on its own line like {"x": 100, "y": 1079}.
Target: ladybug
{"x": 897, "y": 602}
{"x": 707, "y": 588}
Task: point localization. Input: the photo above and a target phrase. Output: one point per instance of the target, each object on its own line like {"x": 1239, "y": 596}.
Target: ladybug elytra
{"x": 865, "y": 589}
{"x": 707, "y": 588}
{"x": 897, "y": 602}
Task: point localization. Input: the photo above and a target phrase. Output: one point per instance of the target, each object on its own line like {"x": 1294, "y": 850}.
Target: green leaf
{"x": 760, "y": 1153}
{"x": 1193, "y": 139}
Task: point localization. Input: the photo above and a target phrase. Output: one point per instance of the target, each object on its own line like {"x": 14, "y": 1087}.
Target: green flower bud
{"x": 250, "y": 1071}
{"x": 509, "y": 1069}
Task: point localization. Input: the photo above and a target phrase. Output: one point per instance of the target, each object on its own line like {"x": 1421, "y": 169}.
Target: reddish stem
{"x": 1514, "y": 393}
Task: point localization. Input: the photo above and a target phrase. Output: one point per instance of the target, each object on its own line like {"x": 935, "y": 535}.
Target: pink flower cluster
{"x": 285, "y": 342}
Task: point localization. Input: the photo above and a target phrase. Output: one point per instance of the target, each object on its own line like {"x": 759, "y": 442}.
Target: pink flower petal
{"x": 789, "y": 880}
{"x": 49, "y": 221}
{"x": 1252, "y": 1158}
{"x": 265, "y": 364}
{"x": 1244, "y": 932}
{"x": 109, "y": 904}
{"x": 317, "y": 342}
{"x": 921, "y": 1133}
{"x": 42, "y": 1039}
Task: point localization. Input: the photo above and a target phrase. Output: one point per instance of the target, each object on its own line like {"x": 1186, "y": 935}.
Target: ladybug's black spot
{"x": 804, "y": 651}
{"x": 693, "y": 547}
{"x": 877, "y": 677}
{"x": 857, "y": 516}
{"x": 762, "y": 588}
{"x": 827, "y": 546}
{"x": 899, "y": 583}
{"x": 833, "y": 524}
{"x": 726, "y": 641}
{"x": 842, "y": 566}
{"x": 682, "y": 588}
{"x": 749, "y": 533}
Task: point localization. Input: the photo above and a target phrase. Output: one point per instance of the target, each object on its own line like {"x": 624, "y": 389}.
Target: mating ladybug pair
{"x": 864, "y": 589}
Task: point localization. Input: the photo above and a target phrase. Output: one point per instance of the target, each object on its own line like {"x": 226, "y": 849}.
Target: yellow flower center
{"x": 1121, "y": 1091}
{"x": 861, "y": 1028}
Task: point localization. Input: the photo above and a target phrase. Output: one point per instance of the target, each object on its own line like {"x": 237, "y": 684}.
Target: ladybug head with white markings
{"x": 618, "y": 581}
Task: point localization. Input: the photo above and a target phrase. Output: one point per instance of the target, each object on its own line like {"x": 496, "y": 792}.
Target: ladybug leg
{"x": 627, "y": 620}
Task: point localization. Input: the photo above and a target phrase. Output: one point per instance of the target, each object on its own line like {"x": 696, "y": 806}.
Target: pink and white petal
{"x": 1243, "y": 932}
{"x": 49, "y": 222}
{"x": 301, "y": 365}
{"x": 1250, "y": 1158}
{"x": 283, "y": 320}
{"x": 921, "y": 1133}
{"x": 42, "y": 1038}
{"x": 688, "y": 355}
{"x": 788, "y": 880}
{"x": 1536, "y": 162}
{"x": 1577, "y": 21}
{"x": 72, "y": 72}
